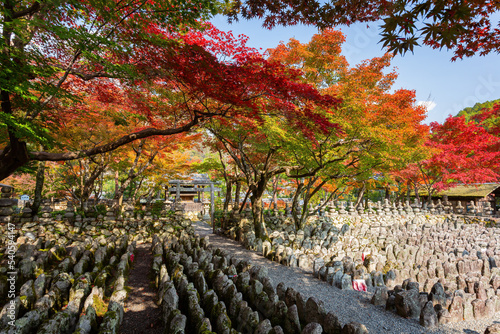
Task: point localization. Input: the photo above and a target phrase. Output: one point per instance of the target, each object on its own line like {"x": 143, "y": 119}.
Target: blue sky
{"x": 446, "y": 87}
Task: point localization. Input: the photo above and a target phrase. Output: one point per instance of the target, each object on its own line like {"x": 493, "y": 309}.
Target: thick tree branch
{"x": 28, "y": 11}
{"x": 149, "y": 132}
{"x": 88, "y": 76}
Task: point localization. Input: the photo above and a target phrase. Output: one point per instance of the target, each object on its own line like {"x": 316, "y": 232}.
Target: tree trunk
{"x": 275, "y": 192}
{"x": 258, "y": 219}
{"x": 88, "y": 185}
{"x": 295, "y": 201}
{"x": 242, "y": 206}
{"x": 417, "y": 195}
{"x": 83, "y": 174}
{"x": 429, "y": 197}
{"x": 119, "y": 203}
{"x": 227, "y": 199}
{"x": 119, "y": 195}
{"x": 387, "y": 193}
{"x": 13, "y": 157}
{"x": 15, "y": 154}
{"x": 136, "y": 190}
{"x": 307, "y": 195}
{"x": 237, "y": 196}
{"x": 360, "y": 195}
{"x": 132, "y": 174}
{"x": 117, "y": 182}
{"x": 98, "y": 194}
{"x": 408, "y": 191}
{"x": 40, "y": 178}
{"x": 305, "y": 211}
{"x": 308, "y": 191}
{"x": 258, "y": 189}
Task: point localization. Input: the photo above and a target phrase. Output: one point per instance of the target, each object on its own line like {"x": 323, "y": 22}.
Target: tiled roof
{"x": 475, "y": 190}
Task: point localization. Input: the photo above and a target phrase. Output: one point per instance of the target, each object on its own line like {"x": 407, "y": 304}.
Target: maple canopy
{"x": 466, "y": 27}
{"x": 486, "y": 114}
{"x": 460, "y": 152}
{"x": 380, "y": 128}
{"x": 124, "y": 59}
{"x": 369, "y": 128}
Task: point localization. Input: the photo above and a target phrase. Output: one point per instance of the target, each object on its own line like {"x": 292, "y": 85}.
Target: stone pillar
{"x": 110, "y": 215}
{"x": 387, "y": 207}
{"x": 380, "y": 209}
{"x": 288, "y": 212}
{"x": 342, "y": 209}
{"x": 206, "y": 210}
{"x": 401, "y": 210}
{"x": 128, "y": 210}
{"x": 488, "y": 210}
{"x": 448, "y": 208}
{"x": 425, "y": 209}
{"x": 371, "y": 212}
{"x": 394, "y": 209}
{"x": 471, "y": 208}
{"x": 70, "y": 213}
{"x": 416, "y": 207}
{"x": 148, "y": 216}
{"x": 212, "y": 206}
{"x": 352, "y": 212}
{"x": 440, "y": 207}
{"x": 166, "y": 207}
{"x": 408, "y": 208}
{"x": 178, "y": 193}
{"x": 6, "y": 204}
{"x": 45, "y": 211}
{"x": 26, "y": 214}
{"x": 361, "y": 209}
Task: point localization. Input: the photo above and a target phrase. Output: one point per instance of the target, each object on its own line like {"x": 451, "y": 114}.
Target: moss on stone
{"x": 38, "y": 272}
{"x": 128, "y": 290}
{"x": 388, "y": 266}
{"x": 100, "y": 306}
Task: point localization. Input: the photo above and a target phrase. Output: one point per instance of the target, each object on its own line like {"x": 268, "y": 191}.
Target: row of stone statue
{"x": 387, "y": 208}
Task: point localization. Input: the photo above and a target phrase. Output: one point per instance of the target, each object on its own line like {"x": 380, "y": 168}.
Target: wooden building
{"x": 480, "y": 194}
{"x": 187, "y": 190}
{"x": 189, "y": 193}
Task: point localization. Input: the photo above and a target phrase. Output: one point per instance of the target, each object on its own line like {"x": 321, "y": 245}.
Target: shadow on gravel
{"x": 347, "y": 305}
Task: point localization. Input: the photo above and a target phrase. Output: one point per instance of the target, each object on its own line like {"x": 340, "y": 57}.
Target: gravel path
{"x": 347, "y": 305}
{"x": 141, "y": 315}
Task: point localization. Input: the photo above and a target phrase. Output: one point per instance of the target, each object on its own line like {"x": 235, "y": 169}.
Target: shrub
{"x": 156, "y": 208}
{"x": 58, "y": 212}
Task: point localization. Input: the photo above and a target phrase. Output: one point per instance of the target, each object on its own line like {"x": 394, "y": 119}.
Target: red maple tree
{"x": 135, "y": 65}
{"x": 461, "y": 153}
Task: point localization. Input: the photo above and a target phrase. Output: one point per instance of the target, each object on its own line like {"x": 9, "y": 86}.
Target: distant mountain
{"x": 476, "y": 109}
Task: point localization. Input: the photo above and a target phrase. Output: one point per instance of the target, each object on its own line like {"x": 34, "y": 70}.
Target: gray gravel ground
{"x": 347, "y": 305}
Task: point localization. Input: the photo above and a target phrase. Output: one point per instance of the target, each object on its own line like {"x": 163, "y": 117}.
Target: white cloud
{"x": 428, "y": 104}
